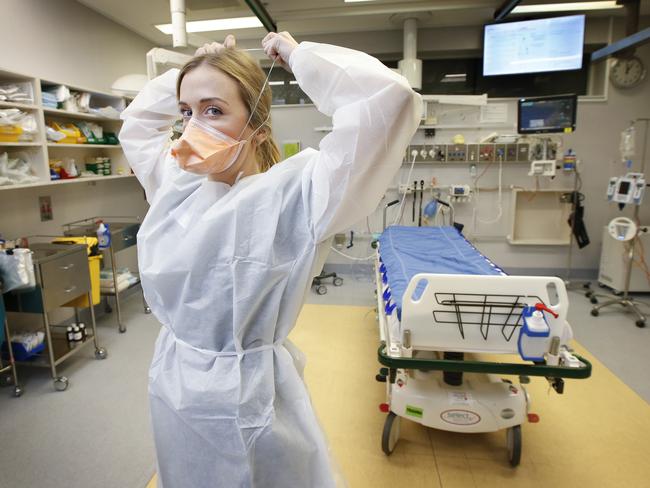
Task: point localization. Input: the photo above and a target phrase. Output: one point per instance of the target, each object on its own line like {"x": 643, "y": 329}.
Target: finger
{"x": 268, "y": 37}
{"x": 229, "y": 42}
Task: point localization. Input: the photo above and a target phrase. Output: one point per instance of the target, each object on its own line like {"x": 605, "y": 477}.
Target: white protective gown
{"x": 226, "y": 269}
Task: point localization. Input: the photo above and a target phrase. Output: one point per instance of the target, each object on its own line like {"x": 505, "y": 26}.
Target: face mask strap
{"x": 257, "y": 102}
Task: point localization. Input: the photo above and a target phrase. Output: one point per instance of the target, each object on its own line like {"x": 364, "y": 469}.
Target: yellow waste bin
{"x": 94, "y": 265}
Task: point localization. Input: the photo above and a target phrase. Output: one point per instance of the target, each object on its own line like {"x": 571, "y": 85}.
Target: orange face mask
{"x": 205, "y": 150}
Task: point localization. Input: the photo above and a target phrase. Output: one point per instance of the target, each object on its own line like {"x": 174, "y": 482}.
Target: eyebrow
{"x": 203, "y": 100}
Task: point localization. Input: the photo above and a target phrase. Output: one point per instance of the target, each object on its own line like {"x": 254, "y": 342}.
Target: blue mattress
{"x": 407, "y": 251}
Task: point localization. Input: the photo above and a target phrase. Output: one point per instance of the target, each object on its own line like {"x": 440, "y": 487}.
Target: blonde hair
{"x": 242, "y": 68}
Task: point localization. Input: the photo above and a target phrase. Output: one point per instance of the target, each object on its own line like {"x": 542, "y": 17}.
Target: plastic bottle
{"x": 82, "y": 328}
{"x": 78, "y": 336}
{"x": 70, "y": 337}
{"x": 103, "y": 235}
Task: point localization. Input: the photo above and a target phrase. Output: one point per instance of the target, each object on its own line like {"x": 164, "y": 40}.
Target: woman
{"x": 232, "y": 240}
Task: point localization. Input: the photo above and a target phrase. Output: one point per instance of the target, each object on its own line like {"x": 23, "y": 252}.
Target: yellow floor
{"x": 595, "y": 435}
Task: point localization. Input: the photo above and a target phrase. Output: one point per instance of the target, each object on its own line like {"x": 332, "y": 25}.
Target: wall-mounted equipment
{"x": 544, "y": 115}
{"x": 533, "y": 46}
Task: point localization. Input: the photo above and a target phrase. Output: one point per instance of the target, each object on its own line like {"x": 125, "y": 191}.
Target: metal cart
{"x": 11, "y": 366}
{"x": 124, "y": 231}
{"x": 62, "y": 274}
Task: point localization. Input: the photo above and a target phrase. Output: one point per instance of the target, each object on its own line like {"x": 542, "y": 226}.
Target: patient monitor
{"x": 626, "y": 189}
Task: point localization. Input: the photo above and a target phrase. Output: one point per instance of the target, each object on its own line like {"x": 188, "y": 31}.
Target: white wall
{"x": 61, "y": 40}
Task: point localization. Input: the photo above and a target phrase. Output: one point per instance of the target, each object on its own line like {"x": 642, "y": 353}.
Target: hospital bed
{"x": 440, "y": 304}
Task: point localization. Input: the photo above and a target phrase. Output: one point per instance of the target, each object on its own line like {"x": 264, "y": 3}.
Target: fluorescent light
{"x": 215, "y": 25}
{"x": 357, "y": 1}
{"x": 275, "y": 83}
{"x": 564, "y": 7}
{"x": 454, "y": 78}
{"x": 293, "y": 82}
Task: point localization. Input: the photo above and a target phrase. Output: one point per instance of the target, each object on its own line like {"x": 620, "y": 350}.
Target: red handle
{"x": 542, "y": 307}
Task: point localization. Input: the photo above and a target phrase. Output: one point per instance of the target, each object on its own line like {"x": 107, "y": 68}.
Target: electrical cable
{"x": 400, "y": 212}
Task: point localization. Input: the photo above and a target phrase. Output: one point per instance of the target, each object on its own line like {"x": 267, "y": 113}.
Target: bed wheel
{"x": 593, "y": 300}
{"x": 321, "y": 289}
{"x": 338, "y": 281}
{"x": 513, "y": 441}
{"x": 589, "y": 293}
{"x": 390, "y": 436}
{"x": 594, "y": 312}
{"x": 640, "y": 323}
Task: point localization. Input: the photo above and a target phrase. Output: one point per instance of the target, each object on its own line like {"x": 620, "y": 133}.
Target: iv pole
{"x": 626, "y": 301}
{"x": 572, "y": 285}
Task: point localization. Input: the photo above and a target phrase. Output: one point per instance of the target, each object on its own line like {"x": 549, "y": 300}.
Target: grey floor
{"x": 97, "y": 434}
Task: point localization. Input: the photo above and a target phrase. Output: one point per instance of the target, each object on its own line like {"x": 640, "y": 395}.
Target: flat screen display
{"x": 533, "y": 46}
{"x": 547, "y": 114}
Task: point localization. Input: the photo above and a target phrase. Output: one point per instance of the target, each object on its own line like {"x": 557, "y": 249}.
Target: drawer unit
{"x": 64, "y": 276}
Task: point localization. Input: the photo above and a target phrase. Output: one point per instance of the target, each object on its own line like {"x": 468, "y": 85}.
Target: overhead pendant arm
{"x": 505, "y": 8}
{"x": 262, "y": 14}
{"x": 634, "y": 37}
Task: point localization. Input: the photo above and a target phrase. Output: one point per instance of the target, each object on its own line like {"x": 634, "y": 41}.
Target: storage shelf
{"x": 469, "y": 126}
{"x": 78, "y": 115}
{"x": 539, "y": 242}
{"x": 96, "y": 146}
{"x": 60, "y": 348}
{"x": 22, "y": 106}
{"x": 65, "y": 182}
{"x": 112, "y": 293}
{"x": 20, "y": 144}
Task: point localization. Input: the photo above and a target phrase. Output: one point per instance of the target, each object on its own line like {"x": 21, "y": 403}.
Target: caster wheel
{"x": 7, "y": 380}
{"x": 122, "y": 329}
{"x": 594, "y": 312}
{"x": 147, "y": 310}
{"x": 321, "y": 290}
{"x": 338, "y": 281}
{"x": 589, "y": 293}
{"x": 640, "y": 323}
{"x": 390, "y": 436}
{"x": 513, "y": 441}
{"x": 18, "y": 391}
{"x": 100, "y": 353}
{"x": 587, "y": 286}
{"x": 61, "y": 383}
{"x": 593, "y": 300}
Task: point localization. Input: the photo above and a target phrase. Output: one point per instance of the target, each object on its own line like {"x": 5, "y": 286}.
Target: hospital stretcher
{"x": 439, "y": 300}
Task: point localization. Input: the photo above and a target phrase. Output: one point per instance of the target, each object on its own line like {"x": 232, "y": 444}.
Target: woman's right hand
{"x": 279, "y": 47}
{"x": 216, "y": 47}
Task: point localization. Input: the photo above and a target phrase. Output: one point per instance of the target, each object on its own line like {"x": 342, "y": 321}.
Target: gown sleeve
{"x": 147, "y": 130}
{"x": 375, "y": 114}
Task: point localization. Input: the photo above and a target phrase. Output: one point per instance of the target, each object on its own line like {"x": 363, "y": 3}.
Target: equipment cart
{"x": 62, "y": 275}
{"x": 123, "y": 231}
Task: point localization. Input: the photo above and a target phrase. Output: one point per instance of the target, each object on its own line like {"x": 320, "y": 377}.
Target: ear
{"x": 261, "y": 136}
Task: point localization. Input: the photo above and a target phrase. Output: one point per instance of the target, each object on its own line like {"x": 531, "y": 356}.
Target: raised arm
{"x": 375, "y": 114}
{"x": 147, "y": 130}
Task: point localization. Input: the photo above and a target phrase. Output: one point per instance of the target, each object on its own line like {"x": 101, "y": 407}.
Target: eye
{"x": 186, "y": 113}
{"x": 213, "y": 111}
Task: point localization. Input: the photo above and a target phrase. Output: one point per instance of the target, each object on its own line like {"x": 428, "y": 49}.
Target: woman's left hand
{"x": 279, "y": 47}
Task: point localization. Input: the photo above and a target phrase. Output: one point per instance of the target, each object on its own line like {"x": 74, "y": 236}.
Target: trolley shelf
{"x": 61, "y": 349}
{"x": 485, "y": 366}
{"x": 112, "y": 293}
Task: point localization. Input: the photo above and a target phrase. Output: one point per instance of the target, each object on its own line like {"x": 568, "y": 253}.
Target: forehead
{"x": 206, "y": 81}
